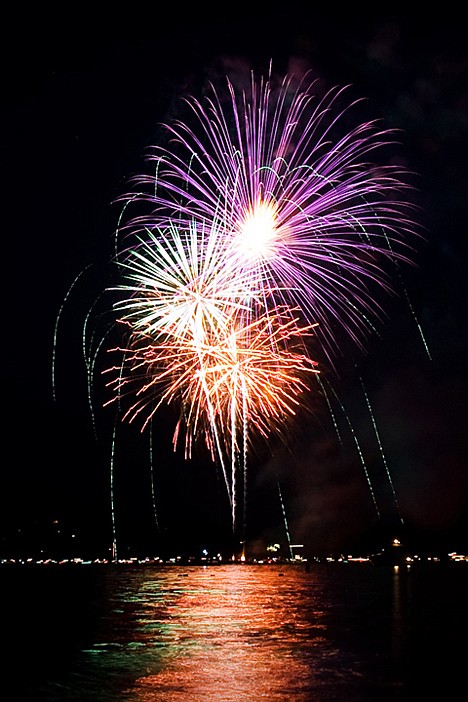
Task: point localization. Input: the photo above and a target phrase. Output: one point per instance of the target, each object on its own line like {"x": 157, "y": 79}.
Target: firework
{"x": 303, "y": 209}
{"x": 179, "y": 283}
{"x": 266, "y": 219}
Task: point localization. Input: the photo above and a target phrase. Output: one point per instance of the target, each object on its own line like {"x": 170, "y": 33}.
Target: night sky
{"x": 82, "y": 101}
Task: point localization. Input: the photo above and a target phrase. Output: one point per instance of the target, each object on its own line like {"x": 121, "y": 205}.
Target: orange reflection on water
{"x": 236, "y": 637}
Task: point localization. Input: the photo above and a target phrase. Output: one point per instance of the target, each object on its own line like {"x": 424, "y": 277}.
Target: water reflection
{"x": 234, "y": 633}
{"x": 232, "y": 636}
{"x": 224, "y": 633}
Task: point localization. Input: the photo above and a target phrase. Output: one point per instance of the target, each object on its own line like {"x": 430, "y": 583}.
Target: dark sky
{"x": 82, "y": 99}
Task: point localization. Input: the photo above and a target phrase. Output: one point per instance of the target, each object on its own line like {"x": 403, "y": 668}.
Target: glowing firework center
{"x": 258, "y": 234}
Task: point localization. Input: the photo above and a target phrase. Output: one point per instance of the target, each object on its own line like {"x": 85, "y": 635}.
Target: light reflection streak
{"x": 234, "y": 636}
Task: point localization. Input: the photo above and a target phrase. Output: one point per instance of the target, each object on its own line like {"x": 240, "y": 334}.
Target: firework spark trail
{"x": 417, "y": 322}
{"x": 57, "y": 321}
{"x": 330, "y": 408}
{"x": 114, "y": 555}
{"x": 213, "y": 428}
{"x": 153, "y": 491}
{"x": 411, "y": 308}
{"x": 90, "y": 355}
{"x": 361, "y": 455}
{"x": 377, "y": 435}
{"x": 244, "y": 460}
{"x": 234, "y": 413}
{"x": 382, "y": 453}
{"x": 285, "y": 520}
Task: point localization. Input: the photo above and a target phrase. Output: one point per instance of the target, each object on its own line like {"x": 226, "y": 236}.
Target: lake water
{"x": 233, "y": 633}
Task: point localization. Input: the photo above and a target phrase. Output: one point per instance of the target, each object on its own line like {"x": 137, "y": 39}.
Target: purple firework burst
{"x": 306, "y": 212}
